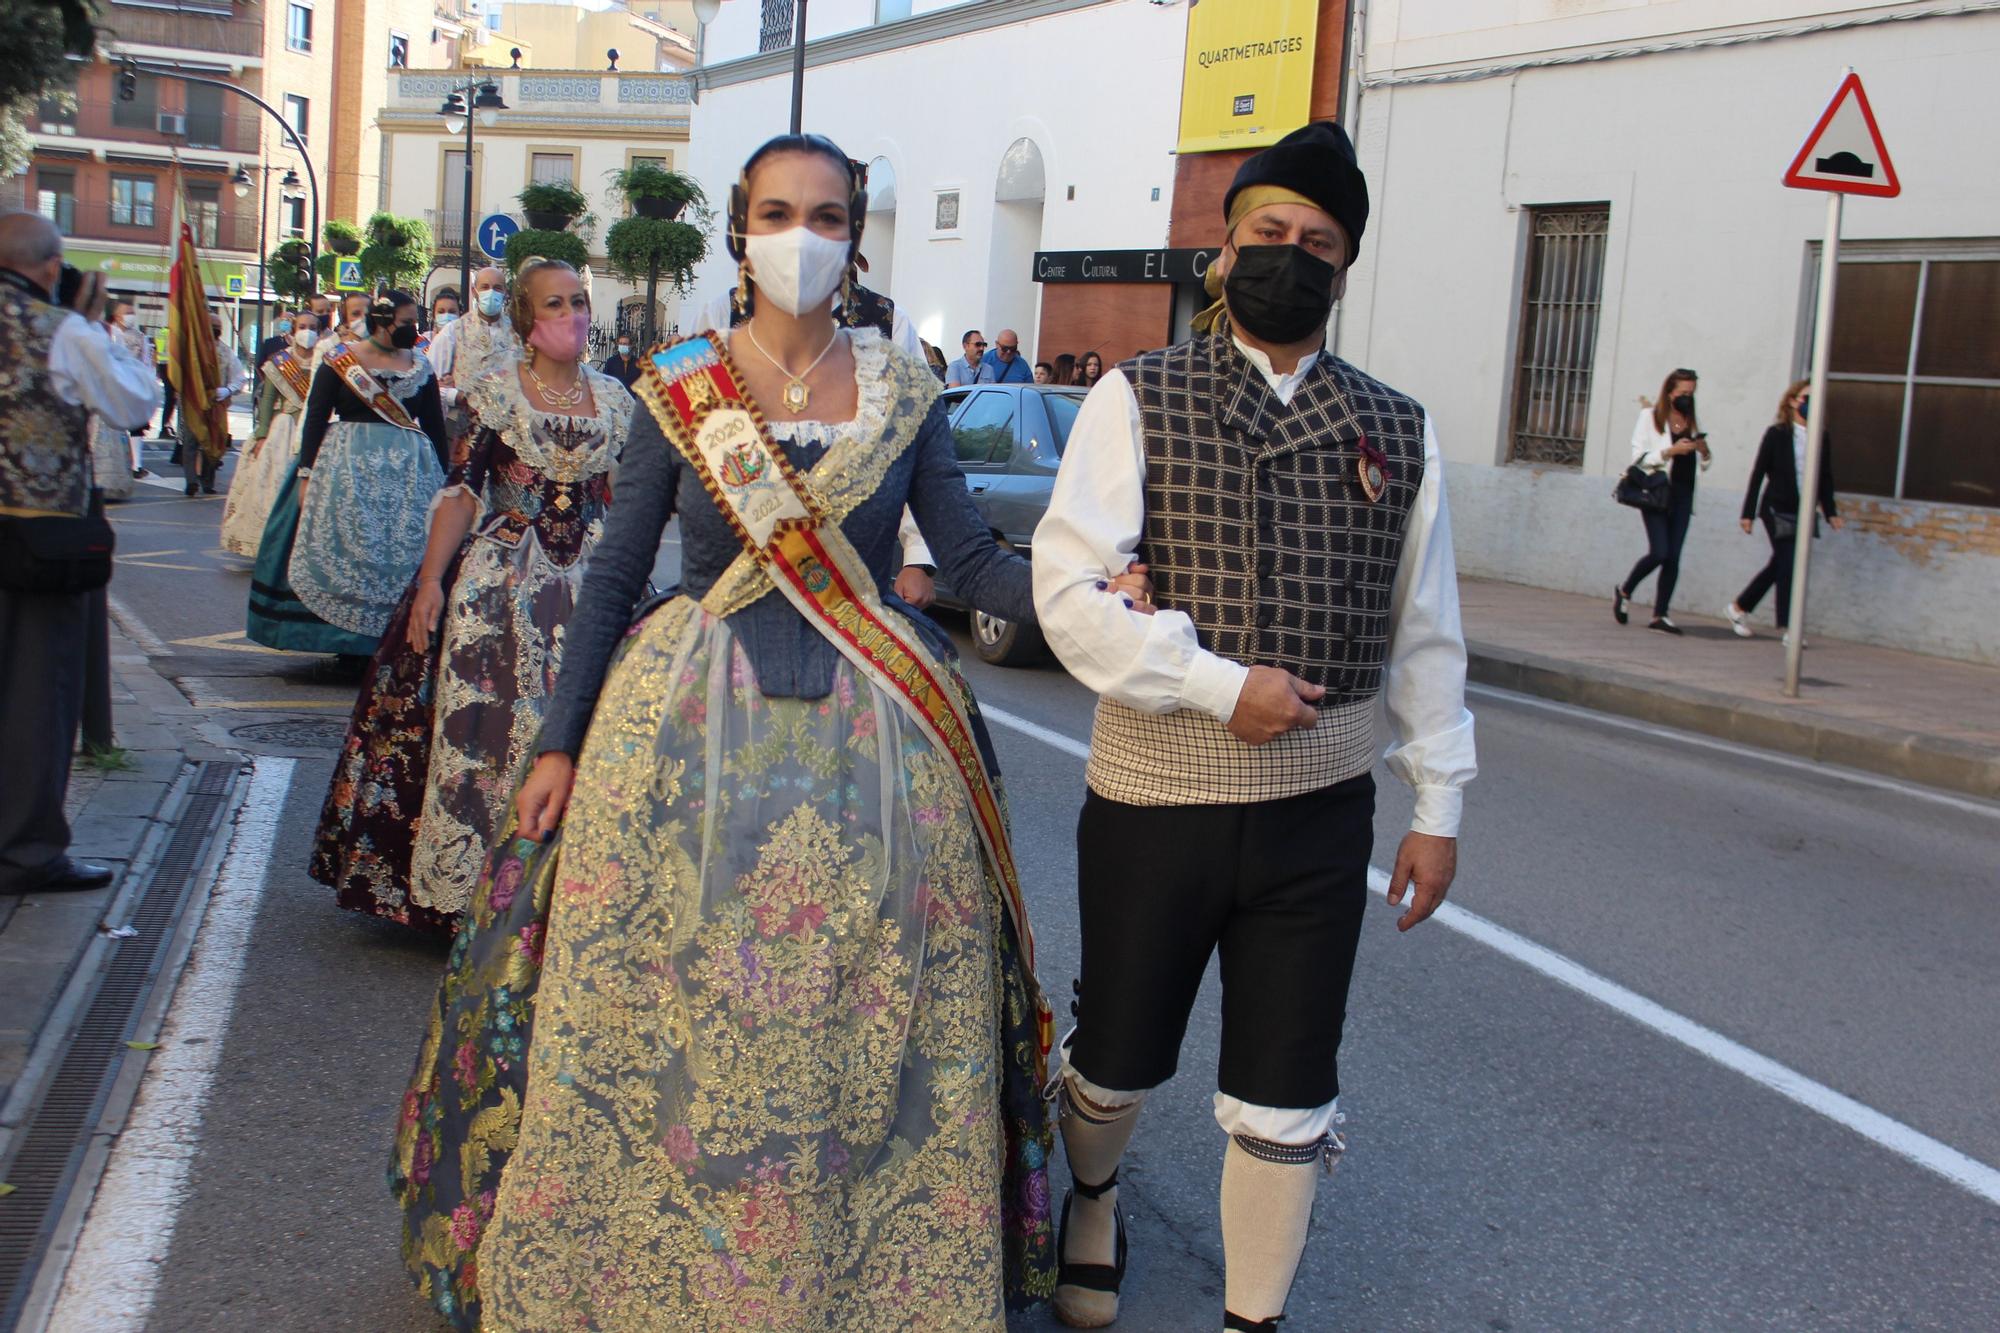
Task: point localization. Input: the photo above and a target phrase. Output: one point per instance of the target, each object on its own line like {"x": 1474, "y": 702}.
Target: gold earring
{"x": 739, "y": 299}
{"x": 847, "y": 295}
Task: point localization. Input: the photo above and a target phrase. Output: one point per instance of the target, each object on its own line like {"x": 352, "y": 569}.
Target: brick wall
{"x": 1921, "y": 532}
{"x": 1117, "y": 319}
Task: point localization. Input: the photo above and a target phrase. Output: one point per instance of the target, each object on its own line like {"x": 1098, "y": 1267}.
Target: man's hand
{"x": 1837, "y": 522}
{"x": 914, "y": 586}
{"x": 1430, "y": 864}
{"x": 1746, "y": 525}
{"x": 1272, "y": 702}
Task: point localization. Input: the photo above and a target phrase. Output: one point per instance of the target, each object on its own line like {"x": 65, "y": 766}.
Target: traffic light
{"x": 128, "y": 84}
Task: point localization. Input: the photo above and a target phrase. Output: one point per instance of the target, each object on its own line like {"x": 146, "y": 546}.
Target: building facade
{"x": 1573, "y": 199}
{"x": 572, "y": 125}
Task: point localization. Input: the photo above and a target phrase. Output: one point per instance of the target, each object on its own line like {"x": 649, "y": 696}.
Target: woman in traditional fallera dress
{"x": 754, "y": 1042}
{"x": 445, "y": 723}
{"x": 348, "y": 526}
{"x": 274, "y": 440}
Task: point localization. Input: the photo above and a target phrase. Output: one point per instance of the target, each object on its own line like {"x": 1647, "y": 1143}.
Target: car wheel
{"x": 1005, "y": 642}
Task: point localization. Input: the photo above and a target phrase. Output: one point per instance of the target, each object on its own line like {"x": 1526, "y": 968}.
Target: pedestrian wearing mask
{"x": 61, "y": 366}
{"x": 1291, "y": 512}
{"x": 1666, "y": 438}
{"x": 279, "y": 340}
{"x": 455, "y": 693}
{"x": 621, "y": 365}
{"x": 465, "y": 349}
{"x": 347, "y": 528}
{"x": 202, "y": 460}
{"x": 1773, "y": 498}
{"x": 274, "y": 440}
{"x": 444, "y": 312}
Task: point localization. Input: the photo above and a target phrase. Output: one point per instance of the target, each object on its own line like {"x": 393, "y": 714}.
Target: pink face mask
{"x": 561, "y": 338}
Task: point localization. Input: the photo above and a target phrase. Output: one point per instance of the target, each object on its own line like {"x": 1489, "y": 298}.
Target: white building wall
{"x": 1708, "y": 266}
{"x": 1094, "y": 88}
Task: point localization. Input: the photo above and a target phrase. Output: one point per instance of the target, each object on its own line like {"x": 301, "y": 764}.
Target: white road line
{"x": 1969, "y": 804}
{"x": 1969, "y": 1174}
{"x": 114, "y": 1273}
{"x": 135, "y": 628}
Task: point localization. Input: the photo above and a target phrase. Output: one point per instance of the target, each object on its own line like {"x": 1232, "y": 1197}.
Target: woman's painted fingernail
{"x": 1128, "y": 601}
{"x": 1102, "y": 585}
{"x": 548, "y": 837}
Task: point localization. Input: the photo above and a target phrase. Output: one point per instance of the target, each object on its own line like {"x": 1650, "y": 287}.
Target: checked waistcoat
{"x": 1259, "y": 530}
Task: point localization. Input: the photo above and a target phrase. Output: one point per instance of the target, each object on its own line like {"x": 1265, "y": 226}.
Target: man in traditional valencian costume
{"x": 1291, "y": 510}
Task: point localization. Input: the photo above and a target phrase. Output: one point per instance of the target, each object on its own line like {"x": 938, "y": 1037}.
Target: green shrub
{"x": 634, "y": 244}
{"x": 566, "y": 246}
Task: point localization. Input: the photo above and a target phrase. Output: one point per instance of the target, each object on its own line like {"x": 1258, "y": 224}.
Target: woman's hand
{"x": 542, "y": 798}
{"x": 1836, "y": 523}
{"x": 1135, "y": 587}
{"x": 425, "y": 612}
{"x": 1746, "y": 525}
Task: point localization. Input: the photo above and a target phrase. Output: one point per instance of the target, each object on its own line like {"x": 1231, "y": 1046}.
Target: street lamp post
{"x": 799, "y": 69}
{"x": 241, "y": 183}
{"x": 478, "y": 100}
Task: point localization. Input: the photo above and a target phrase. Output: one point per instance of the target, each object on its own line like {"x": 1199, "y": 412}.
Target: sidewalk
{"x": 1923, "y": 719}
{"x": 112, "y": 813}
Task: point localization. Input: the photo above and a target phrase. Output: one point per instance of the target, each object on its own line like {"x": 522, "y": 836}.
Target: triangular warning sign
{"x": 1845, "y": 153}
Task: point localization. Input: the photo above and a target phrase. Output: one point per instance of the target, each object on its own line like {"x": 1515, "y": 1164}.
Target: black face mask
{"x": 1279, "y": 293}
{"x": 1684, "y": 403}
{"x": 403, "y": 336}
{"x": 1804, "y": 403}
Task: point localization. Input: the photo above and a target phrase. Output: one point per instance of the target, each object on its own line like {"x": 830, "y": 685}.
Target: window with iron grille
{"x": 1561, "y": 291}
{"x": 1913, "y": 375}
{"x": 776, "y": 30}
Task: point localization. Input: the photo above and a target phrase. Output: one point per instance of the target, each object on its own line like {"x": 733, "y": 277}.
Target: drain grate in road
{"x": 51, "y": 1145}
{"x": 305, "y": 733}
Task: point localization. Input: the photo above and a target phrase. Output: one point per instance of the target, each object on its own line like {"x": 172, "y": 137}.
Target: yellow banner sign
{"x": 1248, "y": 77}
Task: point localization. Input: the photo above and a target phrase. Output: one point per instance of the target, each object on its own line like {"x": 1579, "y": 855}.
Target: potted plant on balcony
{"x": 552, "y": 205}
{"x": 655, "y": 191}
{"x": 343, "y": 237}
{"x": 648, "y": 249}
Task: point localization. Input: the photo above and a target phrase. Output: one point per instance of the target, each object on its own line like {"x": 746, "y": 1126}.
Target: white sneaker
{"x": 1803, "y": 643}
{"x": 1739, "y": 623}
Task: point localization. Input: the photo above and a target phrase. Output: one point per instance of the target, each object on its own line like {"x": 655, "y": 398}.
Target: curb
{"x": 1929, "y": 760}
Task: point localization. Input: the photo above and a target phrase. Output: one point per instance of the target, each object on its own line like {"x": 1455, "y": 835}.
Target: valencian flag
{"x": 194, "y": 365}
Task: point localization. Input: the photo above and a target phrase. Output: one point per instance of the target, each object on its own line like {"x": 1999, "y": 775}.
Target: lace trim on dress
{"x": 404, "y": 384}
{"x": 893, "y": 396}
{"x": 499, "y": 405}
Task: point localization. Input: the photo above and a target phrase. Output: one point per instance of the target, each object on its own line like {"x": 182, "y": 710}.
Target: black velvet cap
{"x": 1316, "y": 161}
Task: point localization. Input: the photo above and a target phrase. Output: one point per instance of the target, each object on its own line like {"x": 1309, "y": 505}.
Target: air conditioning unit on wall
{"x": 173, "y": 124}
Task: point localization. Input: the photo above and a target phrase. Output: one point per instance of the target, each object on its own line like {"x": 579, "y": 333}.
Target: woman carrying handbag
{"x": 1665, "y": 439}
{"x": 1773, "y": 496}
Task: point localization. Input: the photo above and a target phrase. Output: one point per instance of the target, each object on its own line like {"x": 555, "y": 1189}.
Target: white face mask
{"x": 797, "y": 270}
{"x": 305, "y": 338}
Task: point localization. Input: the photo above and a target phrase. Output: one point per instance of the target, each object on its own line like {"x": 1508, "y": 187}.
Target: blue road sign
{"x": 494, "y": 229}
{"x": 347, "y": 276}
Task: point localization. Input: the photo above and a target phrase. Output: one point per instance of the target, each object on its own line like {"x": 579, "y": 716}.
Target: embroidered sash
{"x": 367, "y": 388}
{"x": 693, "y": 391}
{"x": 291, "y": 379}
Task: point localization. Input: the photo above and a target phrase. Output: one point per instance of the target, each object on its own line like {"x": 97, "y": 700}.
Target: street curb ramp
{"x": 1931, "y": 760}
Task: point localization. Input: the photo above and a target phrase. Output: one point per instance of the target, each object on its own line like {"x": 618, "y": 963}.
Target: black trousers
{"x": 42, "y": 643}
{"x": 198, "y": 468}
{"x": 1777, "y": 575}
{"x": 1665, "y": 535}
{"x": 1278, "y": 888}
{"x": 167, "y": 412}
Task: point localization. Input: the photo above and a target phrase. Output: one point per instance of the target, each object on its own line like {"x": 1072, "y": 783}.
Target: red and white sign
{"x": 1845, "y": 153}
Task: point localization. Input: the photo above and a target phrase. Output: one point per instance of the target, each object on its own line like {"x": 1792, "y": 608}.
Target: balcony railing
{"x": 97, "y": 220}
{"x": 448, "y": 230}
{"x": 229, "y": 131}
{"x": 187, "y": 30}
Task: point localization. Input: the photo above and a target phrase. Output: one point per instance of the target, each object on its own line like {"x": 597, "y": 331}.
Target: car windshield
{"x": 1062, "y": 415}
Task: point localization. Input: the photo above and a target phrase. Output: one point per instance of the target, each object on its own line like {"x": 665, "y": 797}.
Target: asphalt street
{"x": 1522, "y": 1155}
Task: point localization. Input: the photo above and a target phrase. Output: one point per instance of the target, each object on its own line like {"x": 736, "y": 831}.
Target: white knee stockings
{"x": 1267, "y": 1199}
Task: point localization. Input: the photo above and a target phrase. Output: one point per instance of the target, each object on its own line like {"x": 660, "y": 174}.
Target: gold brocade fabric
{"x": 762, "y": 1088}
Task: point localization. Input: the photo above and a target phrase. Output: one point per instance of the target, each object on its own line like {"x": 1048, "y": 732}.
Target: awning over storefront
{"x": 148, "y": 272}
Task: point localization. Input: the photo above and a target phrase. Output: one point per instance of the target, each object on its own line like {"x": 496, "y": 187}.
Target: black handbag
{"x": 1643, "y": 490}
{"x": 57, "y": 554}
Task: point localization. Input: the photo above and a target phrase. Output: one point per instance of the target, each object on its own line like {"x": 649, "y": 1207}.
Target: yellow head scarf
{"x": 1247, "y": 201}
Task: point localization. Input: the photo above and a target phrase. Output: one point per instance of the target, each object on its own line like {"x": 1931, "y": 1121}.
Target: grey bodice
{"x": 788, "y": 656}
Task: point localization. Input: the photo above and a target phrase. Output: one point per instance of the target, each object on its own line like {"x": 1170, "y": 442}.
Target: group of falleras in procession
{"x": 740, "y": 1027}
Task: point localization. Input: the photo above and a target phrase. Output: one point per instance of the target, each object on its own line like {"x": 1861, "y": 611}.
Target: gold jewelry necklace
{"x": 570, "y": 397}
{"x": 796, "y": 395}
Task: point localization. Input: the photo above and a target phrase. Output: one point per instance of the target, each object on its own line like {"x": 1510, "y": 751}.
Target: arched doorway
{"x": 878, "y": 239}
{"x": 1012, "y": 296}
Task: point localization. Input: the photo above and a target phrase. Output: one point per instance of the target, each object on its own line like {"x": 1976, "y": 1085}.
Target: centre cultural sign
{"x": 1247, "y": 80}
{"x": 1123, "y": 265}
